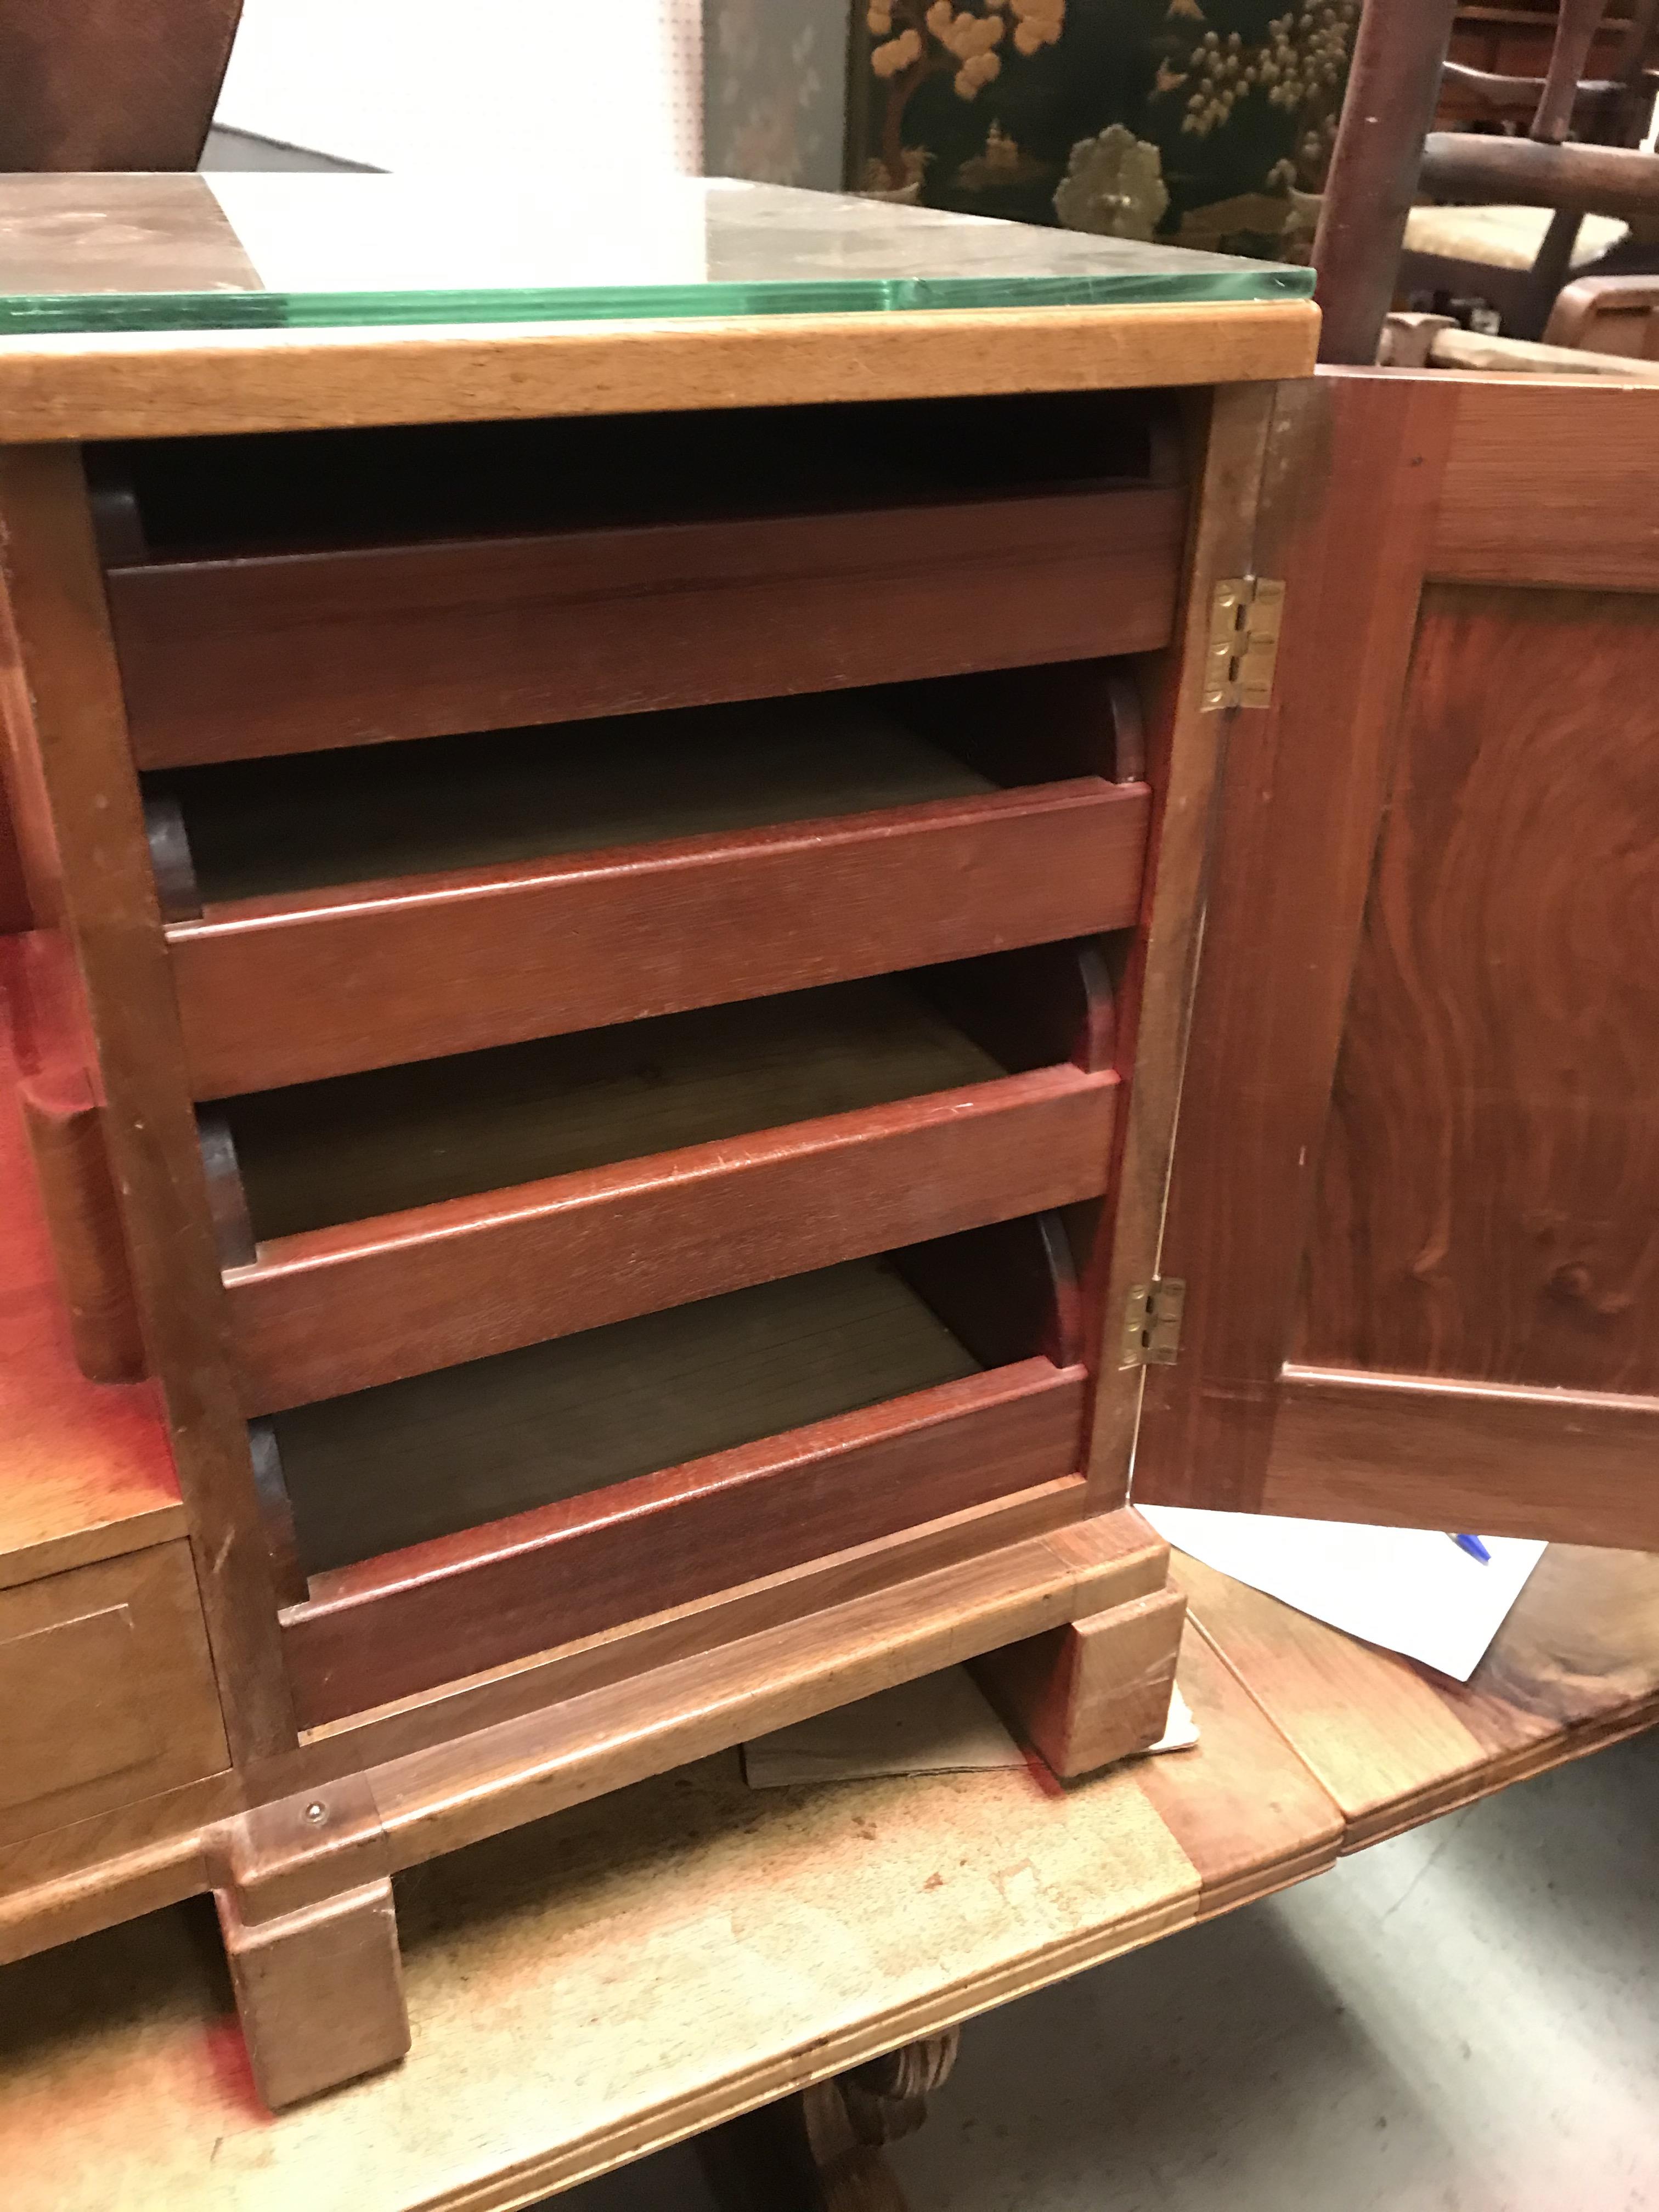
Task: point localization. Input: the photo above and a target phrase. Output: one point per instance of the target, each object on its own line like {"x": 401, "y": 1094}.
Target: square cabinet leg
{"x": 320, "y": 1991}
{"x": 311, "y": 1933}
{"x": 1083, "y": 1696}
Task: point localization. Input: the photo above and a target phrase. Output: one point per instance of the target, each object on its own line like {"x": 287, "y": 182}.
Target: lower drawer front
{"x": 106, "y": 1694}
{"x": 465, "y": 1519}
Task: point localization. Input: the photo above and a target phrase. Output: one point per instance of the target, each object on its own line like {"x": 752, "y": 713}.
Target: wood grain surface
{"x": 744, "y": 1944}
{"x": 333, "y": 1310}
{"x": 1095, "y": 1691}
{"x": 1250, "y": 1821}
{"x": 99, "y": 86}
{"x": 1226, "y": 437}
{"x": 1488, "y": 1194}
{"x": 1417, "y": 1452}
{"x": 1551, "y": 486}
{"x": 410, "y": 1620}
{"x": 1349, "y": 502}
{"x": 78, "y": 729}
{"x": 226, "y": 660}
{"x": 1576, "y": 1665}
{"x": 49, "y": 1056}
{"x": 85, "y": 1471}
{"x": 105, "y": 1690}
{"x": 163, "y": 384}
{"x": 66, "y": 1143}
{"x": 291, "y": 990}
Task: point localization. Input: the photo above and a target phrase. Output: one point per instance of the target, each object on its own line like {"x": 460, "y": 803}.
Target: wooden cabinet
{"x": 606, "y": 992}
{"x": 615, "y": 924}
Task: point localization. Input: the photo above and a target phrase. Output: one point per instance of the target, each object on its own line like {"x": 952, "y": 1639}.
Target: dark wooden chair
{"x": 1580, "y": 156}
{"x": 1386, "y": 152}
{"x": 107, "y": 84}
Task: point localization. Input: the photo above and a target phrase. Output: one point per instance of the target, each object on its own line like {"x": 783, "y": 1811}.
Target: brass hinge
{"x": 1152, "y": 1322}
{"x": 1244, "y": 619}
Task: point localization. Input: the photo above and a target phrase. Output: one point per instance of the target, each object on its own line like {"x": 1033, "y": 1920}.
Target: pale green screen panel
{"x": 232, "y": 252}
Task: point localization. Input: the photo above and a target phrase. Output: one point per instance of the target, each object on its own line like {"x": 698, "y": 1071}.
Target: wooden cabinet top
{"x": 158, "y": 306}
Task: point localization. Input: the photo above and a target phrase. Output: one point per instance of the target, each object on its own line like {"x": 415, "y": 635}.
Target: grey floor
{"x": 1464, "y": 2020}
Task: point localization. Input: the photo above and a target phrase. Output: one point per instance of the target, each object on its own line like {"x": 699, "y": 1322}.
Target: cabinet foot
{"x": 311, "y": 1933}
{"x": 1083, "y": 1696}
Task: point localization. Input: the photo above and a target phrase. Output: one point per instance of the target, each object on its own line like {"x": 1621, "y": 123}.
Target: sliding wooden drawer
{"x": 466, "y": 1519}
{"x": 796, "y": 843}
{"x": 691, "y": 1155}
{"x": 283, "y": 642}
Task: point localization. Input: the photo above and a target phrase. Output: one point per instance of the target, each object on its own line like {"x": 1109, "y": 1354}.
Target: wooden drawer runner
{"x": 956, "y": 1366}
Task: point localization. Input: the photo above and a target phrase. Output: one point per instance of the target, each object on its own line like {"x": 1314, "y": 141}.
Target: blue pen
{"x": 1474, "y": 1547}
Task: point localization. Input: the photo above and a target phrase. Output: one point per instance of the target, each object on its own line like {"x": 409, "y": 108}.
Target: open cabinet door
{"x": 1415, "y": 1191}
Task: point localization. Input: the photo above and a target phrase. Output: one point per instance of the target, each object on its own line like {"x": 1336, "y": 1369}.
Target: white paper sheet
{"x": 939, "y": 1725}
{"x": 1409, "y": 1590}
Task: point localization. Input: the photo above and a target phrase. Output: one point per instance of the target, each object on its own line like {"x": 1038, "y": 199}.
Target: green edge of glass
{"x": 40, "y": 314}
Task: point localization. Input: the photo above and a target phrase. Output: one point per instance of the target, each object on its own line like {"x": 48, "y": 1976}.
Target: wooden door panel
{"x": 1347, "y": 511}
{"x": 1456, "y": 1180}
{"x": 1488, "y": 1195}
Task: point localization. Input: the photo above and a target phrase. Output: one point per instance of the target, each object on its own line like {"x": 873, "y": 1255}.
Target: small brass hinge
{"x": 1152, "y": 1322}
{"x": 1244, "y": 619}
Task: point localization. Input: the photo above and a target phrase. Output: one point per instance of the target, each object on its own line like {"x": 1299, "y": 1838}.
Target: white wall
{"x": 585, "y": 88}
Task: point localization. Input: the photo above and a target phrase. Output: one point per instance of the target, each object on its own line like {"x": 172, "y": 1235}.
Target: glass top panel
{"x": 234, "y": 251}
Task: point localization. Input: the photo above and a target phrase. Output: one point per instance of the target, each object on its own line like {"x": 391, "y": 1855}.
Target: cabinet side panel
{"x": 77, "y": 736}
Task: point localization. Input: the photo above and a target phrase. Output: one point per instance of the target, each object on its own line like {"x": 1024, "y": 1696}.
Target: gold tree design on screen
{"x": 915, "y": 42}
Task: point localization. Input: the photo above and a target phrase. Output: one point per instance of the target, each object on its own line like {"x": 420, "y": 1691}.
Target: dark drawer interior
{"x": 262, "y": 829}
{"x": 397, "y": 1466}
{"x": 193, "y": 499}
{"x": 473, "y": 1517}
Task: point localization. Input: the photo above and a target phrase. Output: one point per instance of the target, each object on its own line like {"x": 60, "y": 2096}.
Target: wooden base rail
{"x": 298, "y": 987}
{"x": 409, "y": 1809}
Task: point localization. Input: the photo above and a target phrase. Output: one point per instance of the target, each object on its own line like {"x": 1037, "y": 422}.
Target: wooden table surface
{"x": 601, "y": 1984}
{"x": 597, "y": 1985}
{"x": 1575, "y": 1666}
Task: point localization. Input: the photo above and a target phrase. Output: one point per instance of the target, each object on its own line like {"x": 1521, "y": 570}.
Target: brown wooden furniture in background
{"x": 1386, "y": 155}
{"x": 1517, "y": 40}
{"x": 1608, "y": 315}
{"x": 98, "y": 84}
{"x": 1602, "y": 171}
{"x": 1394, "y": 82}
{"x": 628, "y": 959}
